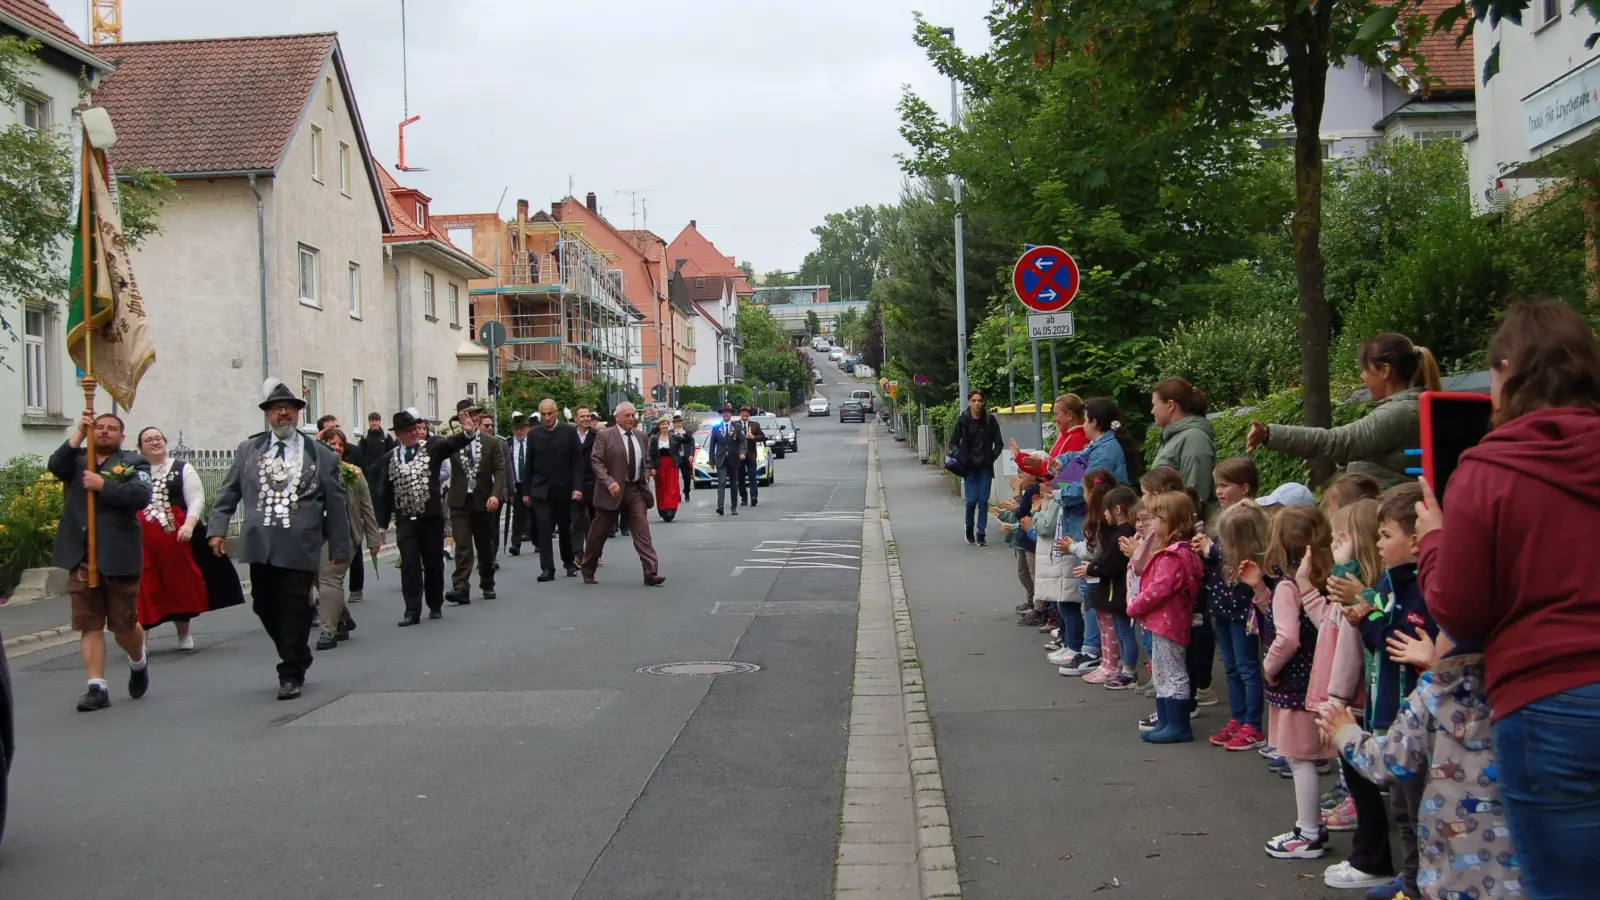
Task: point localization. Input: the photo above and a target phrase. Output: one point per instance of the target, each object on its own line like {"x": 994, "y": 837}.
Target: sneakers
{"x": 356, "y": 597}
{"x": 1205, "y": 697}
{"x": 186, "y": 642}
{"x": 1268, "y": 751}
{"x": 1052, "y": 645}
{"x": 970, "y": 539}
{"x": 983, "y": 541}
{"x": 1280, "y": 766}
{"x": 1061, "y": 657}
{"x": 1248, "y": 737}
{"x": 1098, "y": 676}
{"x": 1119, "y": 682}
{"x": 1221, "y": 738}
{"x": 1033, "y": 618}
{"x": 96, "y": 697}
{"x": 1024, "y": 607}
{"x": 1347, "y": 877}
{"x": 1146, "y": 690}
{"x": 139, "y": 681}
{"x": 1394, "y": 890}
{"x": 1334, "y": 796}
{"x": 1149, "y": 723}
{"x": 1326, "y": 767}
{"x": 1295, "y": 845}
{"x": 1341, "y": 818}
{"x": 1086, "y": 663}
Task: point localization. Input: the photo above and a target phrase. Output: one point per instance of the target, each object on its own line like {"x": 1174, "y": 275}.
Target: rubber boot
{"x": 1177, "y": 730}
{"x": 1163, "y": 721}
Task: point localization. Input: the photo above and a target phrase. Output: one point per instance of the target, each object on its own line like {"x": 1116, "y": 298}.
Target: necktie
{"x": 520, "y": 452}
{"x": 411, "y": 453}
{"x": 632, "y": 459}
{"x": 283, "y": 450}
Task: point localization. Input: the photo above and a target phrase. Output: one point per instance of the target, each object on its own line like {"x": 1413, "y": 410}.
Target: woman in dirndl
{"x": 664, "y": 456}
{"x": 182, "y": 578}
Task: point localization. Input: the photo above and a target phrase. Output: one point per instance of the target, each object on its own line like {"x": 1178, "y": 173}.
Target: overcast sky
{"x": 753, "y": 117}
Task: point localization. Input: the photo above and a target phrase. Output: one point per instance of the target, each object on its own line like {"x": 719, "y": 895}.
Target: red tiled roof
{"x": 1450, "y": 68}
{"x": 402, "y": 215}
{"x": 37, "y": 15}
{"x": 691, "y": 245}
{"x": 218, "y": 105}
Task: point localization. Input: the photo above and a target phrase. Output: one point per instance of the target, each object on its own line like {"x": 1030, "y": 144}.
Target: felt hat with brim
{"x": 518, "y": 419}
{"x": 406, "y": 418}
{"x": 468, "y": 405}
{"x": 275, "y": 391}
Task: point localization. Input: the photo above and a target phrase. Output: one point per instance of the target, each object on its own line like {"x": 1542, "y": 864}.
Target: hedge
{"x": 710, "y": 395}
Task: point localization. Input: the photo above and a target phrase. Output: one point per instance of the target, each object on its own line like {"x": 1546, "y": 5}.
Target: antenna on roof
{"x": 633, "y": 195}
{"x": 405, "y": 96}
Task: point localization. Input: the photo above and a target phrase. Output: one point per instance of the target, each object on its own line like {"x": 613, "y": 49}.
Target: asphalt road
{"x": 510, "y": 750}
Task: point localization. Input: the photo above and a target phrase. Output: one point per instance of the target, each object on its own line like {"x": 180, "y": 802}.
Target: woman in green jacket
{"x": 1396, "y": 371}
{"x": 1188, "y": 442}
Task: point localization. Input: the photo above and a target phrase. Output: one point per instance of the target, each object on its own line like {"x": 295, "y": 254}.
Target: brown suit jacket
{"x": 491, "y": 481}
{"x": 609, "y": 459}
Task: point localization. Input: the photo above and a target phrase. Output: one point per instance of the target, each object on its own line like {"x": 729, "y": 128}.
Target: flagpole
{"x": 86, "y": 286}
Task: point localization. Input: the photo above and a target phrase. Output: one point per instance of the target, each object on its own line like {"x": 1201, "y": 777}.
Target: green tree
{"x": 849, "y": 252}
{"x": 748, "y": 270}
{"x": 813, "y": 323}
{"x": 780, "y": 369}
{"x": 759, "y": 329}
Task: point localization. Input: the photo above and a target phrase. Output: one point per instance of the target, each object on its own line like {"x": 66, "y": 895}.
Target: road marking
{"x": 824, "y": 516}
{"x": 779, "y": 555}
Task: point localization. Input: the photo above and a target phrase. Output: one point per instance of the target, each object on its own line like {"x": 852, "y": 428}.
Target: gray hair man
{"x": 622, "y": 474}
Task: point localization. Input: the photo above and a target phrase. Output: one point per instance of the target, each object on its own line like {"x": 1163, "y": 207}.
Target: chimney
{"x": 522, "y": 210}
{"x": 590, "y": 202}
{"x": 691, "y": 223}
{"x": 555, "y": 208}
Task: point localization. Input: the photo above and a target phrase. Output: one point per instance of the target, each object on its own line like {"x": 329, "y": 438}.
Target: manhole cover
{"x": 700, "y": 667}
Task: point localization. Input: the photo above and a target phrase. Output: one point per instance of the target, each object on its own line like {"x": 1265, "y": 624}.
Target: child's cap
{"x": 1289, "y": 494}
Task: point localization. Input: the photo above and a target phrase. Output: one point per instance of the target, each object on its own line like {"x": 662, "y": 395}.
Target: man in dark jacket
{"x": 121, "y": 485}
{"x": 683, "y": 453}
{"x": 355, "y": 456}
{"x": 583, "y": 506}
{"x": 477, "y": 484}
{"x": 749, "y": 484}
{"x": 409, "y": 494}
{"x": 518, "y": 458}
{"x": 726, "y": 450}
{"x": 976, "y": 445}
{"x": 551, "y": 486}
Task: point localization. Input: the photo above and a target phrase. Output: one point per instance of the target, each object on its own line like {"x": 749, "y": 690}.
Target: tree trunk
{"x": 1591, "y": 237}
{"x": 1306, "y": 45}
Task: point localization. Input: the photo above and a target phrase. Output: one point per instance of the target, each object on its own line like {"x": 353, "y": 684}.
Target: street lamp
{"x": 961, "y": 262}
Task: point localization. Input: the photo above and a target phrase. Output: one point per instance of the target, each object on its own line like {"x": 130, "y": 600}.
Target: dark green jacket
{"x": 1374, "y": 445}
{"x": 1190, "y": 446}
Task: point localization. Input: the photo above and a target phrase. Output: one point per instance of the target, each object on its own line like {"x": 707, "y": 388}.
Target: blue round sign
{"x": 1045, "y": 279}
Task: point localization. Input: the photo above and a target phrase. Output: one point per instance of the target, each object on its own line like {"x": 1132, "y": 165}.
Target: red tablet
{"x": 1451, "y": 424}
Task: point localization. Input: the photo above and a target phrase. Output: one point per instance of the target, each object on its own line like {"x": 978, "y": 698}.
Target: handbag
{"x": 955, "y": 462}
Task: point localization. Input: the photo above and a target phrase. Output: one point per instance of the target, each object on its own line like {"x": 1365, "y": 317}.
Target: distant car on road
{"x": 852, "y": 409}
{"x": 836, "y": 354}
{"x": 865, "y": 396}
{"x": 817, "y": 407}
{"x": 816, "y": 376}
{"x": 705, "y": 476}
{"x": 769, "y": 427}
{"x": 8, "y": 742}
{"x": 788, "y": 435}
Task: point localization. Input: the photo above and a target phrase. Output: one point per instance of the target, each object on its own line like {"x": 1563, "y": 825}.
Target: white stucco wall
{"x": 431, "y": 343}
{"x": 704, "y": 370}
{"x": 1538, "y": 60}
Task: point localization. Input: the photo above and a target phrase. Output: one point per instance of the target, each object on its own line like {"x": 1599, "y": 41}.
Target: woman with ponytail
{"x": 1396, "y": 371}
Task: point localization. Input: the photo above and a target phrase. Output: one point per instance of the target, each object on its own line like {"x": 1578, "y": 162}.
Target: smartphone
{"x": 1452, "y": 423}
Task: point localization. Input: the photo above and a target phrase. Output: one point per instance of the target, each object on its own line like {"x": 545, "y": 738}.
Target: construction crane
{"x": 405, "y": 93}
{"x": 105, "y": 21}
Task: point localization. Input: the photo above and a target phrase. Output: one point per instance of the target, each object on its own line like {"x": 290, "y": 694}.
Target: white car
{"x": 818, "y": 407}
{"x": 836, "y": 354}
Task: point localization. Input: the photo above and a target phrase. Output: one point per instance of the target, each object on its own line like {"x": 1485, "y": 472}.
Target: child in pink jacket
{"x": 1168, "y": 590}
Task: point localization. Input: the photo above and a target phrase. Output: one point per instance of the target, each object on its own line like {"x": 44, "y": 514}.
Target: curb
{"x": 894, "y": 839}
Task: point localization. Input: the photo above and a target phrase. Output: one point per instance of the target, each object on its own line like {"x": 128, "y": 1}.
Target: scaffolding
{"x": 562, "y": 303}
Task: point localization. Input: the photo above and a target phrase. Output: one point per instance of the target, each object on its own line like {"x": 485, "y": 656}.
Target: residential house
{"x": 675, "y": 333}
{"x": 714, "y": 284}
{"x": 644, "y": 285}
{"x": 425, "y": 278}
{"x": 39, "y": 393}
{"x": 1543, "y": 104}
{"x": 269, "y": 264}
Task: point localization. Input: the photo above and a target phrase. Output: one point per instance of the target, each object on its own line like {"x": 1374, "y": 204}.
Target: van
{"x": 865, "y": 397}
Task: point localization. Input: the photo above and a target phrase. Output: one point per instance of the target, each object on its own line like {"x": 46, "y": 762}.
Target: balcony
{"x": 733, "y": 371}
{"x": 735, "y": 339}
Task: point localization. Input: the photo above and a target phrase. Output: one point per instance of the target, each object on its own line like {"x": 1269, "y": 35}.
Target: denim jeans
{"x": 1241, "y": 666}
{"x": 1550, "y": 783}
{"x": 1071, "y": 615}
{"x": 975, "y": 488}
{"x": 1091, "y": 623}
{"x": 1127, "y": 644}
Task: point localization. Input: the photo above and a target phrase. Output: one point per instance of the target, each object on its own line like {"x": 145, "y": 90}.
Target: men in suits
{"x": 622, "y": 488}
{"x": 683, "y": 453}
{"x": 552, "y": 486}
{"x": 487, "y": 426}
{"x": 286, "y": 489}
{"x": 121, "y": 485}
{"x": 355, "y": 456}
{"x": 583, "y": 507}
{"x": 517, "y": 460}
{"x": 410, "y": 495}
{"x": 477, "y": 482}
{"x": 726, "y": 450}
{"x": 748, "y": 483}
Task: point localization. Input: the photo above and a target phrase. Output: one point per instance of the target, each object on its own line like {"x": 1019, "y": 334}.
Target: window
{"x": 1327, "y": 150}
{"x": 311, "y": 393}
{"x": 36, "y": 376}
{"x": 355, "y": 291}
{"x": 310, "y": 276}
{"x": 428, "y": 308}
{"x": 327, "y": 90}
{"x": 455, "y": 304}
{"x": 1550, "y": 10}
{"x": 433, "y": 399}
{"x": 34, "y": 112}
{"x": 358, "y": 403}
{"x": 422, "y": 214}
{"x": 316, "y": 153}
{"x": 472, "y": 390}
{"x": 344, "y": 167}
{"x": 1439, "y": 135}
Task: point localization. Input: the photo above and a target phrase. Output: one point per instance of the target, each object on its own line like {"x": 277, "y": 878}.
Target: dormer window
{"x": 422, "y": 214}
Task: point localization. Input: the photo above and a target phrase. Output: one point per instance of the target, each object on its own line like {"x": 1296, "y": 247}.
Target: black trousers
{"x": 554, "y": 516}
{"x": 1369, "y": 850}
{"x": 521, "y": 523}
{"x": 281, "y": 599}
{"x": 1201, "y": 656}
{"x": 358, "y": 572}
{"x": 686, "y": 469}
{"x": 421, "y": 542}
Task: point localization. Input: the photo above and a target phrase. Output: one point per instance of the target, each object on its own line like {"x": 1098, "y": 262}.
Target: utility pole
{"x": 961, "y": 263}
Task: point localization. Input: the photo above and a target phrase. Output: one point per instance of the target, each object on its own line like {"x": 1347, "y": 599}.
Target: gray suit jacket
{"x": 320, "y": 516}
{"x": 726, "y": 441}
{"x": 119, "y": 547}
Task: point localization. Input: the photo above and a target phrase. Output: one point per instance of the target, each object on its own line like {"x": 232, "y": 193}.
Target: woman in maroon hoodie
{"x": 1507, "y": 565}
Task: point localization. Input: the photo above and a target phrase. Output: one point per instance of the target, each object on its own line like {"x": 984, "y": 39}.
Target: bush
{"x": 696, "y": 407}
{"x": 30, "y": 509}
{"x": 710, "y": 395}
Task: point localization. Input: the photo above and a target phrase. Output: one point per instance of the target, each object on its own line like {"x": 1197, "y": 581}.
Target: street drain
{"x": 699, "y": 667}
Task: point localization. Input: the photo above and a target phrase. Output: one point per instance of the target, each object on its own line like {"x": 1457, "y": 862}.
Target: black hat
{"x": 518, "y": 418}
{"x": 274, "y": 391}
{"x": 406, "y": 418}
{"x": 727, "y": 408}
{"x": 468, "y": 405}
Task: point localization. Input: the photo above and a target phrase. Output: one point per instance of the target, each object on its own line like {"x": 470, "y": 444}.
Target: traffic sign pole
{"x": 1038, "y": 412}
{"x": 1046, "y": 280}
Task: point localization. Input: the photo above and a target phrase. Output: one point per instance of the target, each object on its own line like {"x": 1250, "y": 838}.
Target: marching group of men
{"x": 567, "y": 486}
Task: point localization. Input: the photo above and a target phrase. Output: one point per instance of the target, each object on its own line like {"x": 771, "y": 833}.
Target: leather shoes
{"x": 572, "y": 572}
{"x": 546, "y": 575}
{"x": 654, "y": 580}
{"x": 435, "y": 613}
{"x": 288, "y": 690}
{"x": 515, "y": 551}
{"x": 719, "y": 511}
{"x": 458, "y": 599}
{"x": 409, "y": 620}
{"x": 588, "y": 578}
{"x": 327, "y": 642}
{"x": 341, "y": 636}
{"x": 488, "y": 594}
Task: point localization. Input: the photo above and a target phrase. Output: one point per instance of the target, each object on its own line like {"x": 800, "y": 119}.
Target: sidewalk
{"x": 1050, "y": 791}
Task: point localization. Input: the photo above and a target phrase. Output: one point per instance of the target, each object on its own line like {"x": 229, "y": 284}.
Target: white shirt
{"x": 518, "y": 449}
{"x": 194, "y": 491}
{"x": 638, "y": 453}
{"x": 294, "y": 454}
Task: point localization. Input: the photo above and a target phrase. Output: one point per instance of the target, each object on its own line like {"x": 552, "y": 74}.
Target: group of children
{"x": 1328, "y": 652}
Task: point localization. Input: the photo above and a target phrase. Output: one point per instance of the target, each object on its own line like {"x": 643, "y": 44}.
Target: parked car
{"x": 788, "y": 435}
{"x": 865, "y": 396}
{"x": 705, "y": 476}
{"x": 852, "y": 410}
{"x": 8, "y": 742}
{"x": 836, "y": 354}
{"x": 769, "y": 427}
{"x": 849, "y": 366}
{"x": 816, "y": 376}
{"x": 818, "y": 407}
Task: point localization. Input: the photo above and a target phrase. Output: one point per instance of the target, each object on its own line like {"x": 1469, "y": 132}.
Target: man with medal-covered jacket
{"x": 408, "y": 494}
